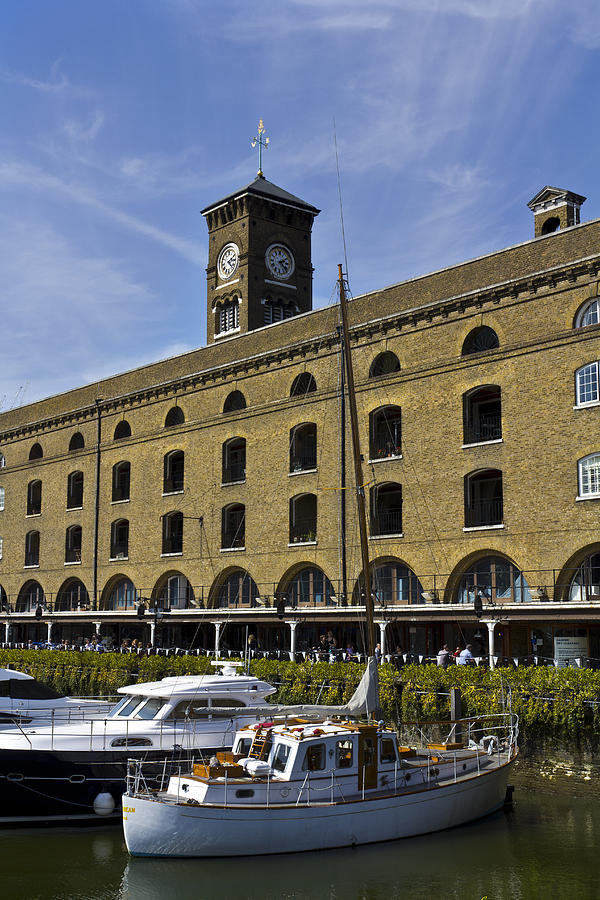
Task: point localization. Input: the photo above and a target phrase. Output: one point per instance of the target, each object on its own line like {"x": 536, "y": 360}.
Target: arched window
{"x": 75, "y": 490}
{"x": 234, "y": 461}
{"x": 239, "y": 590}
{"x": 34, "y": 497}
{"x": 396, "y": 585}
{"x": 483, "y": 498}
{"x": 76, "y": 442}
{"x": 234, "y": 402}
{"x": 277, "y": 311}
{"x": 303, "y": 519}
{"x": 36, "y": 452}
{"x": 173, "y": 468}
{"x": 73, "y": 544}
{"x": 589, "y": 475}
{"x": 304, "y": 383}
{"x": 495, "y": 580}
{"x": 30, "y": 597}
{"x": 4, "y": 605}
{"x": 385, "y": 432}
{"x": 310, "y": 587}
{"x": 123, "y": 430}
{"x": 586, "y": 381}
{"x": 175, "y": 592}
{"x": 121, "y": 481}
{"x": 174, "y": 417}
{"x": 384, "y": 364}
{"x": 172, "y": 533}
{"x": 72, "y": 596}
{"x": 386, "y": 509}
{"x": 228, "y": 316}
{"x": 551, "y": 225}
{"x": 482, "y": 415}
{"x": 233, "y": 526}
{"x": 589, "y": 314}
{"x": 119, "y": 539}
{"x": 122, "y": 596}
{"x": 32, "y": 548}
{"x": 303, "y": 447}
{"x": 585, "y": 583}
{"x": 480, "y": 339}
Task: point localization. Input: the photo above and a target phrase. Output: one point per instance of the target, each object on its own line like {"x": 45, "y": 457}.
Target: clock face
{"x": 228, "y": 260}
{"x": 279, "y": 260}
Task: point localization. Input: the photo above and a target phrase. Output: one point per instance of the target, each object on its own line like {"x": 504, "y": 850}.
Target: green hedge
{"x": 563, "y": 702}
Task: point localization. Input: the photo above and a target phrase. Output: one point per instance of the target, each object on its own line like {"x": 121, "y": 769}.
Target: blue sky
{"x": 121, "y": 119}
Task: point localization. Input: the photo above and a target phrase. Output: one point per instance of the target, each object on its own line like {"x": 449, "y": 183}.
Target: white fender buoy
{"x": 104, "y": 804}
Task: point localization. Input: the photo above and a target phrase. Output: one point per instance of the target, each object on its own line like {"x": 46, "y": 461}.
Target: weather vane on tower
{"x": 263, "y": 141}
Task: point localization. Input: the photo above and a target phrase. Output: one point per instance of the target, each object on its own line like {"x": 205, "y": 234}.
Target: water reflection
{"x": 545, "y": 847}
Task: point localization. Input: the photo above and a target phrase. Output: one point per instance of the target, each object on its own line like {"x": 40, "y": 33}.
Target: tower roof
{"x": 552, "y": 196}
{"x": 260, "y": 187}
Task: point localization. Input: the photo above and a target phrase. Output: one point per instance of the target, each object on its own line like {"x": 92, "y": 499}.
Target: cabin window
{"x": 280, "y": 757}
{"x": 387, "y": 751}
{"x": 150, "y": 708}
{"x": 344, "y": 754}
{"x": 227, "y": 702}
{"x": 314, "y": 760}
{"x": 131, "y": 742}
{"x": 242, "y": 748}
{"x": 190, "y": 709}
{"x": 130, "y": 706}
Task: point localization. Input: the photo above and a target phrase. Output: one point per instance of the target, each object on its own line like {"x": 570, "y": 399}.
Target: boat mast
{"x": 358, "y": 473}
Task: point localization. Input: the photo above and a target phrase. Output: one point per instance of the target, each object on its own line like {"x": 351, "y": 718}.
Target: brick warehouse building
{"x": 215, "y": 484}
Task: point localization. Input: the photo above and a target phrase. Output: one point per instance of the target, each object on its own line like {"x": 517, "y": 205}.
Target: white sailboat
{"x": 313, "y": 779}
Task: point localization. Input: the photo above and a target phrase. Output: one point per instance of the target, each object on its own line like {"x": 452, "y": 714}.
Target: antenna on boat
{"x": 358, "y": 473}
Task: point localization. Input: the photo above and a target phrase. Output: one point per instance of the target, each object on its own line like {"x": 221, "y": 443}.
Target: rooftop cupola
{"x": 554, "y": 208}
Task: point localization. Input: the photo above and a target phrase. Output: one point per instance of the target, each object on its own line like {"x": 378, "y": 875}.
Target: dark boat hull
{"x": 43, "y": 786}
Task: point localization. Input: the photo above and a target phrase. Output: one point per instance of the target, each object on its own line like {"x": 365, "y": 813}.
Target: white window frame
{"x": 594, "y": 375}
{"x": 589, "y": 477}
{"x": 0, "y": 548}
{"x": 2, "y": 494}
{"x": 2, "y": 461}
{"x": 591, "y": 305}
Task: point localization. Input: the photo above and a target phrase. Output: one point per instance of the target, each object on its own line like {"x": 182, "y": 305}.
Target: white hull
{"x": 162, "y": 828}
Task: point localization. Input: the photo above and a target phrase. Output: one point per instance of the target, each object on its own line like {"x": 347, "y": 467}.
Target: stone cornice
{"x": 511, "y": 290}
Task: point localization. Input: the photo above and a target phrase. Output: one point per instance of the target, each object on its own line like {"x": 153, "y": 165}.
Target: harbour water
{"x": 545, "y": 847}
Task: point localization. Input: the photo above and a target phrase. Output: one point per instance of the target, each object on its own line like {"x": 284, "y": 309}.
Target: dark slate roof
{"x": 260, "y": 187}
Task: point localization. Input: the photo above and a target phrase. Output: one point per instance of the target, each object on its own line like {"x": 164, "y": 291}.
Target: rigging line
{"x": 337, "y": 166}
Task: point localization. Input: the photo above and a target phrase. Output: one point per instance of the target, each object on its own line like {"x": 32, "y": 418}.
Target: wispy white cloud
{"x": 86, "y": 132}
{"x": 69, "y": 316}
{"x": 57, "y": 82}
{"x": 32, "y": 178}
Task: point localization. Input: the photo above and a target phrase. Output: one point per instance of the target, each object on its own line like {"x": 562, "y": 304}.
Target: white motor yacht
{"x": 24, "y": 701}
{"x": 70, "y": 771}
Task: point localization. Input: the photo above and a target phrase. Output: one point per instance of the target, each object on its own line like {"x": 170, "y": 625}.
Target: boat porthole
{"x": 77, "y": 779}
{"x": 14, "y": 776}
{"x": 285, "y": 792}
{"x": 408, "y": 777}
{"x": 464, "y": 766}
{"x": 244, "y": 793}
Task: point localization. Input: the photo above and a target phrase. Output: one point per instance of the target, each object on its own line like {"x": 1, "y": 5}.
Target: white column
{"x": 217, "y": 637}
{"x": 152, "y": 632}
{"x": 382, "y": 627}
{"x": 292, "y": 640}
{"x": 7, "y": 636}
{"x": 49, "y": 627}
{"x": 491, "y": 624}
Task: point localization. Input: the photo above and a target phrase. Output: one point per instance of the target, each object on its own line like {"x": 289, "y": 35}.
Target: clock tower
{"x": 259, "y": 259}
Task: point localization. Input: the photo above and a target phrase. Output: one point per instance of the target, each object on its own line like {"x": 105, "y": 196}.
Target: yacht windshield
{"x": 280, "y": 757}
{"x": 129, "y": 706}
{"x": 150, "y": 708}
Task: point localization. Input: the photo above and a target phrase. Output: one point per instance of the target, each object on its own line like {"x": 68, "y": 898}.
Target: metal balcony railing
{"x": 484, "y": 512}
{"x": 382, "y": 446}
{"x": 484, "y": 428}
{"x": 387, "y": 522}
{"x": 230, "y": 539}
{"x": 119, "y": 551}
{"x": 303, "y": 462}
{"x": 234, "y": 473}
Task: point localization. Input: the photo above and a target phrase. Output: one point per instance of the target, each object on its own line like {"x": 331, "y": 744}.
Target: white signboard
{"x": 568, "y": 649}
